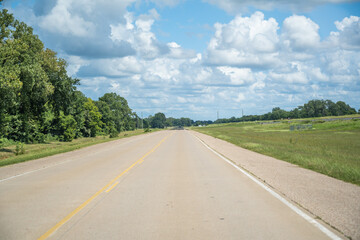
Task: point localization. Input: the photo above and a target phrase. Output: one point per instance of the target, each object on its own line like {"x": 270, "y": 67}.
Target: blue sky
{"x": 191, "y": 58}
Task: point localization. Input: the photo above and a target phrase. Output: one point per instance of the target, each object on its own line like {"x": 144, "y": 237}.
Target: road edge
{"x": 289, "y": 203}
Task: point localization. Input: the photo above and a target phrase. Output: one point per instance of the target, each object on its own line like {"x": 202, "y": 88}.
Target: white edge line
{"x": 32, "y": 171}
{"x": 276, "y": 195}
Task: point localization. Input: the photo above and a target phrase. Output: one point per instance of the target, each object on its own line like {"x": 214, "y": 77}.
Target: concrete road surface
{"x": 164, "y": 185}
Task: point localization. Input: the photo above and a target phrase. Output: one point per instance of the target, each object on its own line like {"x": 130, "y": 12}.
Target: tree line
{"x": 40, "y": 101}
{"x": 314, "y": 108}
{"x": 159, "y": 120}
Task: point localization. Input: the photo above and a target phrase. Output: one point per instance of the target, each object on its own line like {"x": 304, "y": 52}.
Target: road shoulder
{"x": 334, "y": 201}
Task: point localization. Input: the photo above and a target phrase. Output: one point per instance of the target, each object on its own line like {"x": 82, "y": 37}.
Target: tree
{"x": 77, "y": 110}
{"x": 64, "y": 86}
{"x": 146, "y": 123}
{"x": 278, "y": 113}
{"x": 169, "y": 122}
{"x": 345, "y": 109}
{"x": 185, "y": 122}
{"x": 93, "y": 121}
{"x": 67, "y": 126}
{"x": 10, "y": 83}
{"x": 115, "y": 111}
{"x": 295, "y": 113}
{"x": 39, "y": 98}
{"x": 333, "y": 109}
{"x": 158, "y": 121}
{"x": 24, "y": 85}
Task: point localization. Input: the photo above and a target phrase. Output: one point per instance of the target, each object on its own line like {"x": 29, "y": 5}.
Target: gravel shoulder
{"x": 335, "y": 202}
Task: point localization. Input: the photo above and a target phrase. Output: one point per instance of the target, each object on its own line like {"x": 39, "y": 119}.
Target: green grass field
{"x": 35, "y": 151}
{"x": 331, "y": 148}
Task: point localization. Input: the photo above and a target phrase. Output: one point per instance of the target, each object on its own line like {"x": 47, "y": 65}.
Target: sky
{"x": 201, "y": 58}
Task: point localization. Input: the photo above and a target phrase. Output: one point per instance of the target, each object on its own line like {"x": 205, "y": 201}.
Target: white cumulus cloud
{"x": 300, "y": 33}
{"x": 245, "y": 42}
{"x": 60, "y": 20}
{"x": 349, "y": 33}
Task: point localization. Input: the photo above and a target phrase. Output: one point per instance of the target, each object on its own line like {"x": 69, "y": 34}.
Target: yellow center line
{"x": 78, "y": 209}
{"x": 110, "y": 188}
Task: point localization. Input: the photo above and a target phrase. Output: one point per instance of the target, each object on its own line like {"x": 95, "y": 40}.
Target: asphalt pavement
{"x": 164, "y": 185}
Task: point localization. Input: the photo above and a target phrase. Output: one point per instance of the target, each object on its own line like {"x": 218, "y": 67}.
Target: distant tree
{"x": 233, "y": 119}
{"x": 146, "y": 123}
{"x": 186, "y": 122}
{"x": 116, "y": 111}
{"x": 333, "y": 109}
{"x": 158, "y": 121}
{"x": 345, "y": 109}
{"x": 314, "y": 108}
{"x": 170, "y": 122}
{"x": 295, "y": 113}
{"x": 278, "y": 113}
{"x": 136, "y": 120}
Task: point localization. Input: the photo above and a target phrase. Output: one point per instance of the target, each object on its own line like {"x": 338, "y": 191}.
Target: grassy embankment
{"x": 331, "y": 148}
{"x": 35, "y": 151}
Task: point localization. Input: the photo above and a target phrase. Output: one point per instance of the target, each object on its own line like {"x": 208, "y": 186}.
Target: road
{"x": 164, "y": 185}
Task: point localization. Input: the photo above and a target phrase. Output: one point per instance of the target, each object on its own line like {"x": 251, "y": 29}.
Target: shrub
{"x": 39, "y": 138}
{"x": 20, "y": 149}
{"x": 4, "y": 142}
{"x": 67, "y": 126}
{"x": 113, "y": 132}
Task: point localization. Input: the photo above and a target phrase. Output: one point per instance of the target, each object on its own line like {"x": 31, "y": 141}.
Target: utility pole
{"x": 217, "y": 115}
{"x": 142, "y": 121}
{"x": 242, "y": 112}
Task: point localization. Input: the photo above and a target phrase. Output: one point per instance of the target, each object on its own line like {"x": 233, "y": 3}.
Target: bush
{"x": 20, "y": 149}
{"x": 67, "y": 127}
{"x": 113, "y": 132}
{"x": 39, "y": 138}
{"x": 4, "y": 142}
{"x": 51, "y": 138}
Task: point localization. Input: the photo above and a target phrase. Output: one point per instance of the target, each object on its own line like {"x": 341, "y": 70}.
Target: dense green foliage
{"x": 159, "y": 120}
{"x": 314, "y": 108}
{"x": 181, "y": 122}
{"x": 330, "y": 147}
{"x": 39, "y": 100}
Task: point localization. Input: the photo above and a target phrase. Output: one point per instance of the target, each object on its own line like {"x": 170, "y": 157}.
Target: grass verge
{"x": 331, "y": 148}
{"x": 36, "y": 151}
